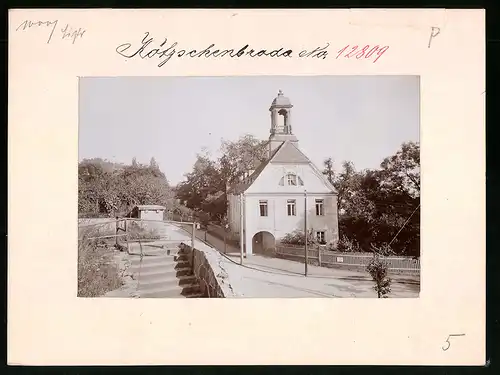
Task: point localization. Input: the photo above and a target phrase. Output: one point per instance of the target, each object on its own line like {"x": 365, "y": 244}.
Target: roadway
{"x": 261, "y": 276}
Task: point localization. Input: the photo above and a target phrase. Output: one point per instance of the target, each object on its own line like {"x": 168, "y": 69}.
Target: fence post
{"x": 319, "y": 255}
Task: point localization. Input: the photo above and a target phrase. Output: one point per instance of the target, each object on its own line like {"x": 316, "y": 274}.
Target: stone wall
{"x": 207, "y": 267}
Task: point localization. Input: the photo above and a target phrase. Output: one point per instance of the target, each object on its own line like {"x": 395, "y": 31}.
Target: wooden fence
{"x": 327, "y": 258}
{"x": 122, "y": 231}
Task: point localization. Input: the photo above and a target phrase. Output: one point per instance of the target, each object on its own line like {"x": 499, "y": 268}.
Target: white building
{"x": 278, "y": 193}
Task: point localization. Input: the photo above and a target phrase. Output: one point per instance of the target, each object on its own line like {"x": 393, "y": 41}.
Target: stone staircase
{"x": 164, "y": 273}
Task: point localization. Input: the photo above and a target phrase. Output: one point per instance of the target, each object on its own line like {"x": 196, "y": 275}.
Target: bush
{"x": 347, "y": 245}
{"x": 378, "y": 271}
{"x": 297, "y": 238}
{"x": 97, "y": 274}
{"x": 138, "y": 232}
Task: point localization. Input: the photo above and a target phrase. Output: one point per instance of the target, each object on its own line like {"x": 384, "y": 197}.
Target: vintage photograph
{"x": 249, "y": 186}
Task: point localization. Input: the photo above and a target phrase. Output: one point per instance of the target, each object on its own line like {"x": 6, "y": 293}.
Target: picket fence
{"x": 327, "y": 258}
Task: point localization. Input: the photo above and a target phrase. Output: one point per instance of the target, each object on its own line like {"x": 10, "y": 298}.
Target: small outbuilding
{"x": 148, "y": 212}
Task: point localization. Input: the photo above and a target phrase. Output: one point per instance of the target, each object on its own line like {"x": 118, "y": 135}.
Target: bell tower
{"x": 281, "y": 122}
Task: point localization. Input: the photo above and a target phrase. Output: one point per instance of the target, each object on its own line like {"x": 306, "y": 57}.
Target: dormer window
{"x": 291, "y": 179}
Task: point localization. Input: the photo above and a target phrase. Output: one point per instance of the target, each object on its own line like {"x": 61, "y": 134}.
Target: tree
{"x": 242, "y": 155}
{"x": 205, "y": 187}
{"x": 153, "y": 164}
{"x": 328, "y": 170}
{"x": 115, "y": 191}
{"x": 346, "y": 183}
{"x": 402, "y": 170}
{"x": 381, "y": 206}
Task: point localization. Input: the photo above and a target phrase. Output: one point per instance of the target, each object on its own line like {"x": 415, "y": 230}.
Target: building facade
{"x": 274, "y": 199}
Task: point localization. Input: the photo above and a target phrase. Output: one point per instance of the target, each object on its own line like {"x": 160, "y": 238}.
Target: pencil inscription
{"x": 448, "y": 340}
{"x": 434, "y": 33}
{"x": 67, "y": 32}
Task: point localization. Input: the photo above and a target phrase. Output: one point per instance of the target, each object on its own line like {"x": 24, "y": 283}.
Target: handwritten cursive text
{"x": 29, "y": 24}
{"x": 66, "y": 33}
{"x": 165, "y": 52}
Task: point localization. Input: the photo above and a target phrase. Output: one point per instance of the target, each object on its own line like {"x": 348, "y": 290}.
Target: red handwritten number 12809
{"x": 365, "y": 52}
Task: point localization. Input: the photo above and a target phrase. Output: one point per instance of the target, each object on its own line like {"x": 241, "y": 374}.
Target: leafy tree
{"x": 242, "y": 155}
{"x": 328, "y": 170}
{"x": 205, "y": 187}
{"x": 402, "y": 170}
{"x": 381, "y": 206}
{"x": 114, "y": 191}
{"x": 153, "y": 164}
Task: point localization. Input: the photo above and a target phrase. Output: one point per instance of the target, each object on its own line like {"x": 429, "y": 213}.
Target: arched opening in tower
{"x": 282, "y": 125}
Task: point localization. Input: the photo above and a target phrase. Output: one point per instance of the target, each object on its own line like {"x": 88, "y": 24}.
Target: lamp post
{"x": 241, "y": 228}
{"x": 305, "y": 233}
{"x": 226, "y": 227}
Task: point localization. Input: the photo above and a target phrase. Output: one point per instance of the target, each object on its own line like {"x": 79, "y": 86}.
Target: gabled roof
{"x": 242, "y": 186}
{"x": 289, "y": 153}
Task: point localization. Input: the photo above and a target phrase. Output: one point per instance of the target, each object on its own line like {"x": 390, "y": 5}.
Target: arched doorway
{"x": 263, "y": 243}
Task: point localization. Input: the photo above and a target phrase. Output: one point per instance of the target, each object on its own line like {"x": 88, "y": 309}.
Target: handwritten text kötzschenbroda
{"x": 166, "y": 51}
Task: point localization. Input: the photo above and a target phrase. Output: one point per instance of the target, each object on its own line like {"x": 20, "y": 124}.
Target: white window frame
{"x": 321, "y": 236}
{"x": 263, "y": 206}
{"x": 320, "y": 207}
{"x": 291, "y": 179}
{"x": 291, "y": 207}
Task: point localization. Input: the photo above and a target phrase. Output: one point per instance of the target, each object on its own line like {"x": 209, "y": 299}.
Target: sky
{"x": 362, "y": 119}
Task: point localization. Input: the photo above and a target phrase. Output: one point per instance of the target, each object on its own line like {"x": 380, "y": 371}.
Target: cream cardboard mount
{"x": 49, "y": 325}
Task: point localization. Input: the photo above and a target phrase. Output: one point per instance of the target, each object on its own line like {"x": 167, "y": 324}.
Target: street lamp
{"x": 241, "y": 228}
{"x": 226, "y": 227}
{"x": 305, "y": 232}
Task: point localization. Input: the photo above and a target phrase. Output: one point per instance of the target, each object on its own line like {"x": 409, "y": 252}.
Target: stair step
{"x": 168, "y": 282}
{"x": 150, "y": 268}
{"x": 165, "y": 259}
{"x": 177, "y": 291}
{"x": 163, "y": 273}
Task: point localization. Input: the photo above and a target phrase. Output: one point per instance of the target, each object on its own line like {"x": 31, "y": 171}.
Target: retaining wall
{"x": 207, "y": 267}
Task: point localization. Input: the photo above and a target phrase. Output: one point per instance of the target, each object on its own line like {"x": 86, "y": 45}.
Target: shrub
{"x": 138, "y": 232}
{"x": 378, "y": 271}
{"x": 298, "y": 238}
{"x": 97, "y": 274}
{"x": 347, "y": 245}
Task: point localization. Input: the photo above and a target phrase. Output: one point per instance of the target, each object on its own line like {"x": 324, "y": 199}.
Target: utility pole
{"x": 241, "y": 228}
{"x": 305, "y": 233}
{"x": 193, "y": 236}
{"x": 226, "y": 228}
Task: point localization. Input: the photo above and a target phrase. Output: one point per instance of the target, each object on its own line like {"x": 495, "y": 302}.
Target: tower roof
{"x": 281, "y": 101}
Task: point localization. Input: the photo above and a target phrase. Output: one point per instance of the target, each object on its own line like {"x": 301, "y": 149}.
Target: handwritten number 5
{"x": 448, "y": 341}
